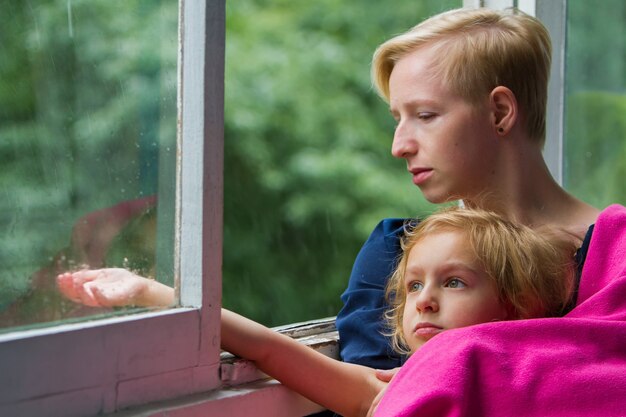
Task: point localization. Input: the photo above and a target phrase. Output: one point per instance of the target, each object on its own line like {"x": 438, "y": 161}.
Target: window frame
{"x": 104, "y": 366}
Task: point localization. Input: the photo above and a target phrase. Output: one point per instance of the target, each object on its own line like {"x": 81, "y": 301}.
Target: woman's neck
{"x": 526, "y": 192}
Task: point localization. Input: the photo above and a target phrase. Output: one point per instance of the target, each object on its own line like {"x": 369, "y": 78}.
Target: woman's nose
{"x": 404, "y": 143}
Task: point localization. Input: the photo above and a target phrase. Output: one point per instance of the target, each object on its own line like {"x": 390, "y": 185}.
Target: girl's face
{"x": 446, "y": 288}
{"x": 448, "y": 143}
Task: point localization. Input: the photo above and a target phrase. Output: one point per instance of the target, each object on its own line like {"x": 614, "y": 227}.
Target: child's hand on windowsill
{"x": 113, "y": 287}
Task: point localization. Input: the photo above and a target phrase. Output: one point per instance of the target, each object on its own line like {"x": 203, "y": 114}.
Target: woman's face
{"x": 449, "y": 144}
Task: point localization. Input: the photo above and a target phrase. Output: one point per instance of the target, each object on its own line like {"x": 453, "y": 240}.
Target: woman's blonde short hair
{"x": 481, "y": 49}
{"x": 532, "y": 271}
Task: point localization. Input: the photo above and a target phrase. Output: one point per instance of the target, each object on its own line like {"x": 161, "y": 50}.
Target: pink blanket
{"x": 570, "y": 366}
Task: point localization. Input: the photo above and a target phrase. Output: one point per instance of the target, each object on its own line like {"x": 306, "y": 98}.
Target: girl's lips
{"x": 427, "y": 330}
{"x": 421, "y": 175}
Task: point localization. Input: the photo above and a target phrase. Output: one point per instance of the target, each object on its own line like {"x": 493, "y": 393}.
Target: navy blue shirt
{"x": 360, "y": 322}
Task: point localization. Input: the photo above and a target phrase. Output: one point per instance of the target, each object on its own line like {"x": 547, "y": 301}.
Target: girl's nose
{"x": 404, "y": 143}
{"x": 427, "y": 301}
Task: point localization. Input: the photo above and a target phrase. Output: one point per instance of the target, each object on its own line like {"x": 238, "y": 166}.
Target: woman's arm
{"x": 344, "y": 388}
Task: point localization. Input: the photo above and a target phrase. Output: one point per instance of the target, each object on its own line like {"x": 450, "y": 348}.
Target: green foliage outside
{"x": 88, "y": 94}
{"x": 87, "y": 114}
{"x": 88, "y": 120}
{"x": 308, "y": 165}
{"x": 596, "y": 152}
{"x": 595, "y": 135}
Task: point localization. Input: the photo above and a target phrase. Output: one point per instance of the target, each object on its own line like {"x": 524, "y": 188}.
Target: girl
{"x": 458, "y": 268}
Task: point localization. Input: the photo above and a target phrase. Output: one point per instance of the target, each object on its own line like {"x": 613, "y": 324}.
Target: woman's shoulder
{"x": 378, "y": 255}
{"x": 386, "y": 236}
{"x": 392, "y": 224}
{"x": 391, "y": 228}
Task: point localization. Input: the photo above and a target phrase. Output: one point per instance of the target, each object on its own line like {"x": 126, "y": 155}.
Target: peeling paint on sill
{"x": 320, "y": 335}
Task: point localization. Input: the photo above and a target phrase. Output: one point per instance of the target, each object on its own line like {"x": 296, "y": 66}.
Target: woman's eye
{"x": 455, "y": 283}
{"x": 425, "y": 115}
{"x": 415, "y": 286}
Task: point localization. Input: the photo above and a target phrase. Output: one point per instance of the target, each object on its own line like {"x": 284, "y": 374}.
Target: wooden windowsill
{"x": 245, "y": 390}
{"x": 320, "y": 335}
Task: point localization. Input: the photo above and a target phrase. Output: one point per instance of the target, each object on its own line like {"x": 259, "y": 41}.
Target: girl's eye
{"x": 425, "y": 115}
{"x": 455, "y": 283}
{"x": 415, "y": 286}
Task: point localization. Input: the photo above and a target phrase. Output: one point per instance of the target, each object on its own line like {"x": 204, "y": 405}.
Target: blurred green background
{"x": 595, "y": 117}
{"x": 308, "y": 170}
{"x": 88, "y": 120}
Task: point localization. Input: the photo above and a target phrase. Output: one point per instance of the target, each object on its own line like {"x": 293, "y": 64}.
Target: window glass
{"x": 595, "y": 139}
{"x": 308, "y": 170}
{"x": 87, "y": 142}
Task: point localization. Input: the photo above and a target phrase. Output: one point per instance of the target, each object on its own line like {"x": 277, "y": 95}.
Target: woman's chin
{"x": 439, "y": 198}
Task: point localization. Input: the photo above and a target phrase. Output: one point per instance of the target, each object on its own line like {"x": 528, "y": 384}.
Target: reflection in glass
{"x": 595, "y": 145}
{"x": 87, "y": 143}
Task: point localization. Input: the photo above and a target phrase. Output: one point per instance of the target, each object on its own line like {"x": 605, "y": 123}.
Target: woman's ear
{"x": 503, "y": 109}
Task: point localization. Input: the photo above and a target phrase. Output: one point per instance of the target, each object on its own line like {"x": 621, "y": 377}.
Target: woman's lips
{"x": 421, "y": 175}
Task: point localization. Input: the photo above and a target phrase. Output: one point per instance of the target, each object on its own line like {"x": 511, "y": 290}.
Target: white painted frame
{"x": 553, "y": 13}
{"x": 102, "y": 366}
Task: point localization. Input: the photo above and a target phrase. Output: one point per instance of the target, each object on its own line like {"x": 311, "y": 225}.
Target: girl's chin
{"x": 416, "y": 346}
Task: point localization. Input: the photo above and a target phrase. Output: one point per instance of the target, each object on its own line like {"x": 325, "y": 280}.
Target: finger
{"x": 109, "y": 295}
{"x": 386, "y": 375}
{"x": 85, "y": 293}
{"x": 65, "y": 284}
{"x": 85, "y": 275}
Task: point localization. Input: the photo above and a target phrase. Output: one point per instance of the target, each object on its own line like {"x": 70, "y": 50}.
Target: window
{"x": 97, "y": 367}
{"x": 88, "y": 142}
{"x": 106, "y": 365}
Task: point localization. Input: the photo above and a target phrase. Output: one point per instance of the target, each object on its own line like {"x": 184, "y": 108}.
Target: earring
{"x": 500, "y": 130}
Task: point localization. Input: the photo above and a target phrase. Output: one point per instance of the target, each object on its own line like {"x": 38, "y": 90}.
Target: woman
{"x": 468, "y": 89}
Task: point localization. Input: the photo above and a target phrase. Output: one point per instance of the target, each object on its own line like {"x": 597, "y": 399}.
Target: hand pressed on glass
{"x": 113, "y": 287}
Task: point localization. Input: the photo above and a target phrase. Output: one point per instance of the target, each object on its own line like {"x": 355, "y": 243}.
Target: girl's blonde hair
{"x": 478, "y": 50}
{"x": 532, "y": 271}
